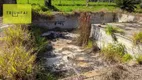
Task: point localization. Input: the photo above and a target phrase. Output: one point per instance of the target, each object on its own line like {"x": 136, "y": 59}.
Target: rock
{"x": 49, "y": 47}
{"x": 53, "y": 35}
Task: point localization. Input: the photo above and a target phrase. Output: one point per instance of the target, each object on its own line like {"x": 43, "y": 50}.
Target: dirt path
{"x": 71, "y": 59}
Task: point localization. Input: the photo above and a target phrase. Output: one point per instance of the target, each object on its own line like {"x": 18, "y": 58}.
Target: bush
{"x": 114, "y": 52}
{"x": 128, "y": 5}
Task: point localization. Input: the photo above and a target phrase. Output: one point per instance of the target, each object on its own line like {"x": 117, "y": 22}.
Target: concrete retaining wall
{"x": 103, "y": 39}
{"x": 71, "y": 21}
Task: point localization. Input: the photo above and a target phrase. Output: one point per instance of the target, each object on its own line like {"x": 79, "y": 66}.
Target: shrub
{"x": 114, "y": 52}
{"x": 128, "y": 5}
{"x": 137, "y": 38}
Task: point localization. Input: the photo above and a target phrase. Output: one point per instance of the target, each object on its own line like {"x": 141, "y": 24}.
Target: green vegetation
{"x": 68, "y": 6}
{"x": 110, "y": 30}
{"x": 115, "y": 52}
{"x": 128, "y": 5}
{"x": 18, "y": 54}
{"x": 126, "y": 58}
{"x": 80, "y": 5}
{"x": 139, "y": 58}
{"x": 90, "y": 44}
{"x": 16, "y": 60}
{"x": 41, "y": 2}
{"x": 137, "y": 38}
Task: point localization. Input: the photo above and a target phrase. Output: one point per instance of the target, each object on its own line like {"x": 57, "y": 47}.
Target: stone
{"x": 53, "y": 35}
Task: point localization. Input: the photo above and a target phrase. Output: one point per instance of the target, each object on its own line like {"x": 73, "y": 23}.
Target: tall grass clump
{"x": 16, "y": 60}
{"x": 17, "y": 63}
{"x": 84, "y": 29}
{"x": 16, "y": 35}
{"x": 40, "y": 42}
{"x": 18, "y": 54}
{"x": 115, "y": 53}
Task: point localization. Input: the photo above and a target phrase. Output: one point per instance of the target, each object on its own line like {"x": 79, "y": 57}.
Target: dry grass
{"x": 84, "y": 29}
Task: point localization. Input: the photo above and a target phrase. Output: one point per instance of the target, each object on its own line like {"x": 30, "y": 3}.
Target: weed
{"x": 17, "y": 57}
{"x": 16, "y": 35}
{"x": 39, "y": 41}
{"x": 16, "y": 60}
{"x": 137, "y": 38}
{"x": 126, "y": 58}
{"x": 110, "y": 30}
{"x": 90, "y": 44}
{"x": 114, "y": 52}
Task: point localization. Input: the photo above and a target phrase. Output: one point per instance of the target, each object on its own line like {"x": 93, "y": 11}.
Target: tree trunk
{"x": 87, "y": 2}
{"x": 48, "y": 3}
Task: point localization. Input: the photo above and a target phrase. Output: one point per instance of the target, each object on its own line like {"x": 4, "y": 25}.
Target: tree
{"x": 127, "y": 5}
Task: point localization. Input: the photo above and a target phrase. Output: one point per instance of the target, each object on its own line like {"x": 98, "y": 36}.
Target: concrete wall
{"x": 102, "y": 39}
{"x": 129, "y": 18}
{"x": 71, "y": 21}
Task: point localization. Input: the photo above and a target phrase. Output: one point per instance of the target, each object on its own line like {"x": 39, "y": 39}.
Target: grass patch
{"x": 84, "y": 8}
{"x": 115, "y": 53}
{"x": 90, "y": 44}
{"x": 110, "y": 30}
{"x": 139, "y": 58}
{"x": 137, "y": 38}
